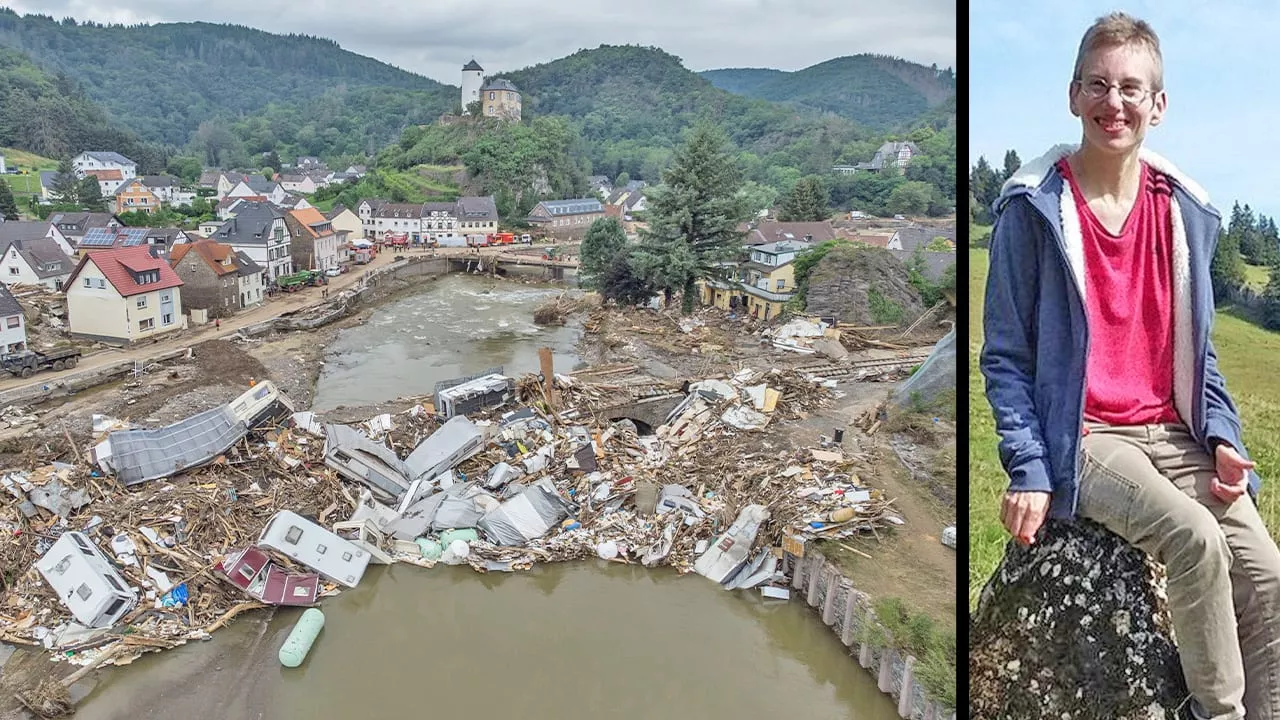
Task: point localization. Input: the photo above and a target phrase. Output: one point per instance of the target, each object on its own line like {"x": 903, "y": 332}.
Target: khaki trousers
{"x": 1150, "y": 485}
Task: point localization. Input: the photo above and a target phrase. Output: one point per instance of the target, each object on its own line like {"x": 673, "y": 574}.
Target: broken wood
{"x": 230, "y": 614}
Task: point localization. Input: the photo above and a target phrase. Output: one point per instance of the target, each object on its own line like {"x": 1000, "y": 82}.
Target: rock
{"x": 1074, "y": 627}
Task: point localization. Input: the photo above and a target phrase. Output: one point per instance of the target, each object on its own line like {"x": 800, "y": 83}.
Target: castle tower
{"x": 472, "y": 79}
{"x": 500, "y": 99}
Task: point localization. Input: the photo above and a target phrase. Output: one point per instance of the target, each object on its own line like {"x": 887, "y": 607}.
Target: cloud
{"x": 437, "y": 38}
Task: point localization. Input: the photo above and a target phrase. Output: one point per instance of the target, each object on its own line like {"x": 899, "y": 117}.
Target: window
{"x": 147, "y": 324}
{"x": 13, "y": 271}
{"x": 100, "y": 283}
{"x": 88, "y": 282}
{"x": 321, "y": 549}
{"x": 142, "y": 302}
{"x": 246, "y": 571}
{"x": 294, "y": 535}
{"x": 13, "y": 322}
{"x": 782, "y": 284}
{"x": 346, "y": 556}
{"x": 167, "y": 318}
{"x": 166, "y": 297}
{"x": 63, "y": 564}
{"x": 193, "y": 267}
{"x": 492, "y": 96}
{"x": 84, "y": 591}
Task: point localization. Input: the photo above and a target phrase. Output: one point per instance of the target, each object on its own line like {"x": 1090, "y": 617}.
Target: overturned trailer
{"x": 357, "y": 458}
{"x": 391, "y": 480}
{"x": 138, "y": 456}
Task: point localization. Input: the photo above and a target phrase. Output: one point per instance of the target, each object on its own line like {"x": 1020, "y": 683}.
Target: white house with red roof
{"x": 123, "y": 295}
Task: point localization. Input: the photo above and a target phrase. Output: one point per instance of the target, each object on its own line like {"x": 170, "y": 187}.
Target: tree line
{"x": 984, "y": 186}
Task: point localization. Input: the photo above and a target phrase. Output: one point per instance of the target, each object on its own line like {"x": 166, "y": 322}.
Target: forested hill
{"x": 873, "y": 90}
{"x": 631, "y": 104}
{"x": 49, "y": 115}
{"x": 162, "y": 81}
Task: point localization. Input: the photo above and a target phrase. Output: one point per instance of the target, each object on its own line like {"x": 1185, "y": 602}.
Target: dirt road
{"x": 272, "y": 308}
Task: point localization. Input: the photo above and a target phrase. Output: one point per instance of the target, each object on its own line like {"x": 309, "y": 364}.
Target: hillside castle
{"x": 498, "y": 98}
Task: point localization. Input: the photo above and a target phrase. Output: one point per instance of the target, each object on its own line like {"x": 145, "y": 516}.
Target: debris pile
{"x": 707, "y": 332}
{"x": 288, "y": 510}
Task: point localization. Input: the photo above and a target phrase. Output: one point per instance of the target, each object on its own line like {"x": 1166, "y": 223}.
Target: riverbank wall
{"x": 848, "y": 612}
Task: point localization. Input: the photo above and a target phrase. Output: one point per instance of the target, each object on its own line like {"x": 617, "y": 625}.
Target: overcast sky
{"x": 437, "y": 37}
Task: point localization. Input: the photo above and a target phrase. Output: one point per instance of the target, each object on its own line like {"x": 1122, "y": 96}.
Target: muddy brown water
{"x": 458, "y": 325}
{"x": 574, "y": 640}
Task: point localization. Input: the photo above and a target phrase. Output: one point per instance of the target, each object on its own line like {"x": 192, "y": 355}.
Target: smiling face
{"x": 1111, "y": 125}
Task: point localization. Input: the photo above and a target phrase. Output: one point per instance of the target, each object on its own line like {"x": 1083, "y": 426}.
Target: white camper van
{"x": 85, "y": 581}
{"x": 338, "y": 559}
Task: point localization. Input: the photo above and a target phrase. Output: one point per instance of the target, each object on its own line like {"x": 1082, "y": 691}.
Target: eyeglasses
{"x": 1098, "y": 89}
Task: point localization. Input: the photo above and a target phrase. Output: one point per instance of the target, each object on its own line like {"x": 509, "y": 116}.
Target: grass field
{"x": 1256, "y": 276}
{"x": 23, "y": 184}
{"x": 1245, "y": 353}
{"x": 25, "y": 160}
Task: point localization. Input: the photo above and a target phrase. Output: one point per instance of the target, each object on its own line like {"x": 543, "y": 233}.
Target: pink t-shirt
{"x": 1129, "y": 299}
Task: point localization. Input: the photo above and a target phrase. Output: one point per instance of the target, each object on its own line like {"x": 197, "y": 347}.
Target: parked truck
{"x": 26, "y": 362}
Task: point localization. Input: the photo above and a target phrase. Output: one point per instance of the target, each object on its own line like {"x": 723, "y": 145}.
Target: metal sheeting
{"x": 455, "y": 441}
{"x": 358, "y": 458}
{"x": 462, "y": 507}
{"x": 137, "y": 456}
{"x": 527, "y": 516}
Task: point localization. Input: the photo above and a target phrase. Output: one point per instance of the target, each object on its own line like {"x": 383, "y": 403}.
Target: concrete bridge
{"x": 502, "y": 263}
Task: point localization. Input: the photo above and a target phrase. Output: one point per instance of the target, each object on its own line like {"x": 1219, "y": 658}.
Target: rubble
{"x": 500, "y": 490}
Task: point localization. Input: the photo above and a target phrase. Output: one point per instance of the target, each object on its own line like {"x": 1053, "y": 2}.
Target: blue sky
{"x": 1222, "y": 126}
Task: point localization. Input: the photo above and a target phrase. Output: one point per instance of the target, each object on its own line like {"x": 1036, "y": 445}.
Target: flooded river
{"x": 459, "y": 325}
{"x": 576, "y": 640}
{"x": 579, "y": 640}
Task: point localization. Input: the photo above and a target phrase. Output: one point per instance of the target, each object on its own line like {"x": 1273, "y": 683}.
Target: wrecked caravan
{"x": 355, "y": 457}
{"x": 136, "y": 456}
{"x": 455, "y": 441}
{"x": 262, "y": 403}
{"x": 85, "y": 581}
{"x": 462, "y": 397}
{"x": 251, "y": 570}
{"x": 333, "y": 557}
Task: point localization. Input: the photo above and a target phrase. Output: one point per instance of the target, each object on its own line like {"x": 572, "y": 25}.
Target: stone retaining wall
{"x": 847, "y": 611}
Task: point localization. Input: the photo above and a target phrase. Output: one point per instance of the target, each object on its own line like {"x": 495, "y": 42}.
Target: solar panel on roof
{"x": 98, "y": 237}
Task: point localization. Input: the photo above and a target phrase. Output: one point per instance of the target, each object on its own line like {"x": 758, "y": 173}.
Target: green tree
{"x": 89, "y": 195}
{"x": 693, "y": 217}
{"x": 185, "y": 167}
{"x": 807, "y": 201}
{"x": 985, "y": 185}
{"x": 602, "y": 244}
{"x": 66, "y": 187}
{"x": 624, "y": 177}
{"x": 272, "y": 160}
{"x": 758, "y": 197}
{"x": 1011, "y": 165}
{"x": 1271, "y": 303}
{"x": 911, "y": 198}
{"x": 1227, "y": 268}
{"x": 8, "y": 207}
{"x": 624, "y": 283}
